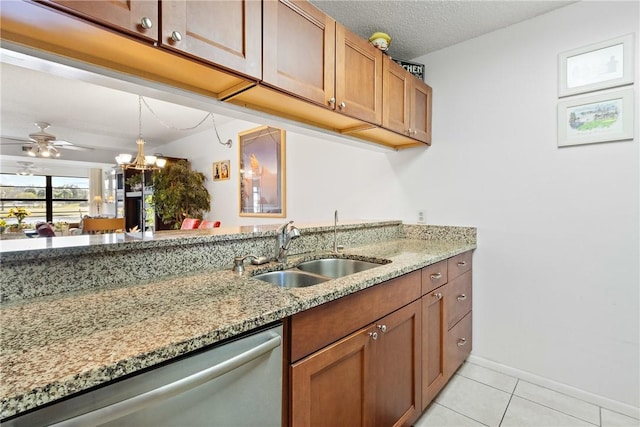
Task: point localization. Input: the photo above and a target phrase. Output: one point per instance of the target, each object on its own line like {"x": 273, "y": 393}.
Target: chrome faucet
{"x": 286, "y": 233}
{"x": 336, "y": 247}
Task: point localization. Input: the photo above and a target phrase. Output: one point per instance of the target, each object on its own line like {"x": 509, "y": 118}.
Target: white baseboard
{"x": 601, "y": 401}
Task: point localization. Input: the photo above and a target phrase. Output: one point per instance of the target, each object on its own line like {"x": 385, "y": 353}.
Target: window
{"x": 48, "y": 198}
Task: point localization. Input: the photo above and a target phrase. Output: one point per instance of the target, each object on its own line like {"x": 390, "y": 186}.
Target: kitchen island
{"x": 63, "y": 342}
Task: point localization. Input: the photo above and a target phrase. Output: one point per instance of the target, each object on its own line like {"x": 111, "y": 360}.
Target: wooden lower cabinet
{"x": 370, "y": 378}
{"x": 433, "y": 338}
{"x": 333, "y": 386}
{"x": 349, "y": 369}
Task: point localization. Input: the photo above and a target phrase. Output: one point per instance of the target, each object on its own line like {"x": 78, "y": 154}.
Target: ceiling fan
{"x": 25, "y": 168}
{"x": 44, "y": 144}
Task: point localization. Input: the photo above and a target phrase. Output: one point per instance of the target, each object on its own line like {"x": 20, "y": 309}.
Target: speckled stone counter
{"x": 57, "y": 345}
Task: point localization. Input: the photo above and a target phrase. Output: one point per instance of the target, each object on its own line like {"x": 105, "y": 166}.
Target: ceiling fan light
{"x": 161, "y": 162}
{"x": 31, "y": 153}
{"x": 45, "y": 153}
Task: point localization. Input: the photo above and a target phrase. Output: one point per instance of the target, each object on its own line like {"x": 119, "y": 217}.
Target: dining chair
{"x": 102, "y": 225}
{"x": 190, "y": 224}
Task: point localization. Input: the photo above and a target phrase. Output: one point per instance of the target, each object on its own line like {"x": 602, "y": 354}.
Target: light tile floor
{"x": 477, "y": 396}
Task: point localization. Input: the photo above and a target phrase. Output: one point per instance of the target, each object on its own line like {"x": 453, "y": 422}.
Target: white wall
{"x": 556, "y": 272}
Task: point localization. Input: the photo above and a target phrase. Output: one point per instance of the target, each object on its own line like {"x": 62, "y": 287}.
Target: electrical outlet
{"x": 421, "y": 217}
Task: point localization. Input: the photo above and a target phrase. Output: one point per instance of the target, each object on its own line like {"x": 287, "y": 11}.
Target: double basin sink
{"x": 309, "y": 273}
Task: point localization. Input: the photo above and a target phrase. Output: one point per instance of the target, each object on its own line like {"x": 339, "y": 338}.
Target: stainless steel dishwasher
{"x": 238, "y": 383}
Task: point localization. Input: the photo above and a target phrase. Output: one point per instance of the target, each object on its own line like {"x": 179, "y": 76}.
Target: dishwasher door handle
{"x": 136, "y": 403}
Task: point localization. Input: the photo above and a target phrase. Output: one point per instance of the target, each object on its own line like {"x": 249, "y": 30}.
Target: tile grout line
{"x": 558, "y": 410}
{"x": 508, "y": 403}
{"x": 460, "y": 413}
{"x": 489, "y": 385}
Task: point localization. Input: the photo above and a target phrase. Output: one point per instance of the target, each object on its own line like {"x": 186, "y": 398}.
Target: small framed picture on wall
{"x": 598, "y": 66}
{"x": 221, "y": 170}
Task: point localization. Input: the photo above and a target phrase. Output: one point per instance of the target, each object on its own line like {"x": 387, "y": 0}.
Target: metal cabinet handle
{"x": 136, "y": 403}
{"x": 461, "y": 342}
{"x": 462, "y": 263}
{"x": 462, "y": 297}
{"x": 373, "y": 335}
{"x": 409, "y": 131}
{"x": 176, "y": 36}
{"x": 342, "y": 105}
{"x": 436, "y": 276}
{"x": 383, "y": 328}
{"x": 332, "y": 101}
{"x": 438, "y": 295}
{"x": 146, "y": 23}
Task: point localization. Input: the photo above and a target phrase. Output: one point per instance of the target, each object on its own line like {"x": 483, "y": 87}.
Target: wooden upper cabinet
{"x": 226, "y": 33}
{"x": 406, "y": 103}
{"x": 420, "y": 101}
{"x": 299, "y": 50}
{"x": 396, "y": 96}
{"x": 136, "y": 17}
{"x": 358, "y": 90}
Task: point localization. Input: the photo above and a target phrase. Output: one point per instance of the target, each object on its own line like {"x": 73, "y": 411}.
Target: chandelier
{"x": 141, "y": 162}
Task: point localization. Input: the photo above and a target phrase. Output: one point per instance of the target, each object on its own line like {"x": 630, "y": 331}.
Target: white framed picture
{"x": 598, "y": 66}
{"x": 604, "y": 117}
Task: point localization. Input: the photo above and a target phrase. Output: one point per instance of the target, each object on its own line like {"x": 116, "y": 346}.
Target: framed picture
{"x": 221, "y": 170}
{"x": 598, "y": 66}
{"x": 596, "y": 118}
{"x": 262, "y": 172}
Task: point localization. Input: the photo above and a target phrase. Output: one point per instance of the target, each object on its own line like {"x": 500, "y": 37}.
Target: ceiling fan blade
{"x": 59, "y": 143}
{"x": 8, "y": 140}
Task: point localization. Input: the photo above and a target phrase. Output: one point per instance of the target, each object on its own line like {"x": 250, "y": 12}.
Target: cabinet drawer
{"x": 459, "y": 264}
{"x": 458, "y": 344}
{"x": 434, "y": 276}
{"x": 320, "y": 326}
{"x": 458, "y": 298}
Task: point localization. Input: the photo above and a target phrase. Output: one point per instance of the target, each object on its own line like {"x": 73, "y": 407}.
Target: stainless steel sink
{"x": 291, "y": 278}
{"x": 336, "y": 267}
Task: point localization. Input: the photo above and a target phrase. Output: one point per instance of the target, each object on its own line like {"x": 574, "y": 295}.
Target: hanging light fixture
{"x": 141, "y": 162}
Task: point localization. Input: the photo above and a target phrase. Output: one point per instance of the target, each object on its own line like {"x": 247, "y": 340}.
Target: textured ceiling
{"x": 418, "y": 27}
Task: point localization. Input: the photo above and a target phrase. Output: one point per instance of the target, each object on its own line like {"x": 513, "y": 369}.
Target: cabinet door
{"x": 334, "y": 386}
{"x": 358, "y": 77}
{"x": 299, "y": 50}
{"x": 420, "y": 111}
{"x": 131, "y": 16}
{"x": 398, "y": 366}
{"x": 433, "y": 333}
{"x": 395, "y": 100}
{"x": 227, "y": 33}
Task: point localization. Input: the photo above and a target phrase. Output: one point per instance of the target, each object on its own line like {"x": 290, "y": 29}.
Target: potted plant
{"x": 20, "y": 214}
{"x": 179, "y": 192}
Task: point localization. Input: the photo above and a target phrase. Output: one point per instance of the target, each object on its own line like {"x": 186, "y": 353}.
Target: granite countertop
{"x": 57, "y": 345}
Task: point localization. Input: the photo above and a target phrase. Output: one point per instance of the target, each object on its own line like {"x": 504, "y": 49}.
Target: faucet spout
{"x": 286, "y": 233}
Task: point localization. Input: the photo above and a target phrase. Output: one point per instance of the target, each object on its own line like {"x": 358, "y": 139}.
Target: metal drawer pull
{"x": 436, "y": 276}
{"x": 157, "y": 395}
{"x": 462, "y": 297}
{"x": 383, "y": 328}
{"x": 373, "y": 335}
{"x": 461, "y": 342}
{"x": 438, "y": 295}
{"x": 462, "y": 263}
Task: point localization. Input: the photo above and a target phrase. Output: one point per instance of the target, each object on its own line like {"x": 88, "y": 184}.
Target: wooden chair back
{"x": 190, "y": 224}
{"x": 106, "y": 225}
